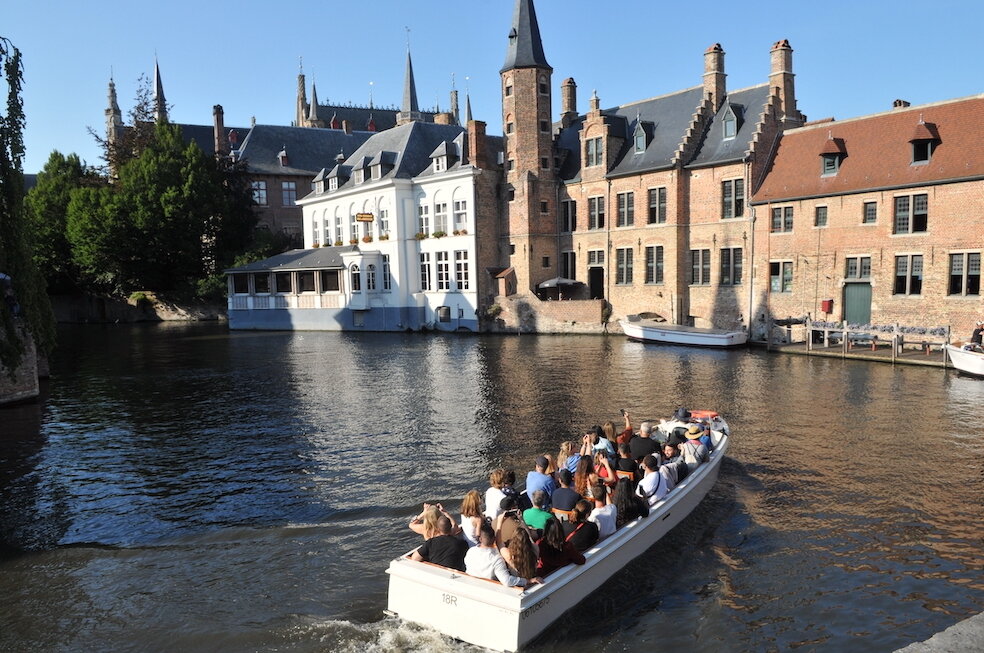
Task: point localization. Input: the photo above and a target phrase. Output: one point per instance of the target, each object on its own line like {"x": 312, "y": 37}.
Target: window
{"x": 333, "y": 183}
{"x": 356, "y": 279}
{"x": 261, "y": 282}
{"x": 781, "y": 276}
{"x": 387, "y": 277}
{"x": 730, "y": 125}
{"x": 545, "y": 262}
{"x": 568, "y": 265}
{"x": 922, "y": 150}
{"x": 360, "y": 176}
{"x": 870, "y": 214}
{"x": 329, "y": 281}
{"x": 305, "y": 281}
{"x": 857, "y": 267}
{"x": 596, "y": 213}
{"x": 596, "y": 257}
{"x": 283, "y": 282}
{"x": 461, "y": 269}
{"x": 508, "y": 90}
{"x": 443, "y": 271}
{"x": 460, "y": 214}
{"x": 911, "y": 214}
{"x": 626, "y": 209}
{"x": 315, "y": 235}
{"x": 240, "y": 284}
{"x": 440, "y": 163}
{"x": 512, "y": 249}
{"x": 425, "y": 271}
{"x": 594, "y": 152}
{"x": 820, "y": 216}
{"x": 510, "y": 127}
{"x": 657, "y": 205}
{"x": 544, "y": 207}
{"x": 568, "y": 217}
{"x": 441, "y": 217}
{"x": 384, "y": 222}
{"x": 700, "y": 267}
{"x": 908, "y": 274}
{"x": 545, "y": 127}
{"x": 370, "y": 277}
{"x": 731, "y": 266}
{"x": 544, "y": 87}
{"x": 259, "y": 192}
{"x": 782, "y": 219}
{"x": 654, "y": 264}
{"x": 623, "y": 266}
{"x": 338, "y": 229}
{"x": 377, "y": 171}
{"x": 353, "y": 228}
{"x": 830, "y": 164}
{"x": 545, "y": 163}
{"x": 965, "y": 274}
{"x": 510, "y": 165}
{"x": 732, "y": 199}
{"x": 423, "y": 219}
{"x": 640, "y": 140}
{"x": 288, "y": 193}
{"x": 510, "y": 194}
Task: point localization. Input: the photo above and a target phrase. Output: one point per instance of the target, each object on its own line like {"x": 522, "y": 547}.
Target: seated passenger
{"x": 643, "y": 444}
{"x": 508, "y": 522}
{"x": 538, "y": 516}
{"x": 676, "y": 467}
{"x": 604, "y": 513}
{"x": 555, "y": 550}
{"x": 471, "y": 517}
{"x": 494, "y": 495}
{"x": 580, "y": 532}
{"x": 655, "y": 484}
{"x": 538, "y": 479}
{"x": 625, "y": 462}
{"x": 628, "y": 507}
{"x": 564, "y": 497}
{"x": 425, "y": 523}
{"x": 692, "y": 450}
{"x": 584, "y": 477}
{"x": 444, "y": 548}
{"x": 485, "y": 561}
{"x": 568, "y": 456}
{"x": 521, "y": 555}
{"x": 509, "y": 490}
{"x": 603, "y": 468}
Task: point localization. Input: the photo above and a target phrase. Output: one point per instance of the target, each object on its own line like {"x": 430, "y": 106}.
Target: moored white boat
{"x": 648, "y": 330}
{"x": 966, "y": 360}
{"x": 485, "y": 613}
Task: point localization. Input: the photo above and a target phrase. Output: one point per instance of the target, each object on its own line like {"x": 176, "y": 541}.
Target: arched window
{"x": 338, "y": 227}
{"x": 370, "y": 277}
{"x": 326, "y": 226}
{"x": 356, "y": 279}
{"x": 353, "y": 226}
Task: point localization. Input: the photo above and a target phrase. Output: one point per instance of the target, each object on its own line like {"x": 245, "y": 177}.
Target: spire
{"x": 160, "y": 102}
{"x": 525, "y": 48}
{"x": 313, "y": 114}
{"x": 409, "y": 110}
{"x": 468, "y": 113}
{"x": 114, "y": 117}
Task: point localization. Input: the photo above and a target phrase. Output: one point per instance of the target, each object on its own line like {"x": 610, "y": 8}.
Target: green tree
{"x": 46, "y": 211}
{"x": 101, "y": 241}
{"x": 15, "y": 254}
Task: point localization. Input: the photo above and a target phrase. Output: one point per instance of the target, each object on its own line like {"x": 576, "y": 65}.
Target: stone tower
{"x": 530, "y": 196}
{"x": 160, "y": 102}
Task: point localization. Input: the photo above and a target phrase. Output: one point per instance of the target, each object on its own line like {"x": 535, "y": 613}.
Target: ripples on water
{"x": 184, "y": 488}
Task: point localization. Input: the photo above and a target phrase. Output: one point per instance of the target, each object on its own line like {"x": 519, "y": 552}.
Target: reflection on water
{"x": 245, "y": 491}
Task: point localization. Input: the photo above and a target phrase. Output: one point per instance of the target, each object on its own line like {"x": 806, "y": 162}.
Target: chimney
{"x": 595, "y": 103}
{"x": 781, "y": 83}
{"x": 477, "y": 144}
{"x": 443, "y": 118}
{"x": 219, "y": 132}
{"x": 714, "y": 86}
{"x": 346, "y": 127}
{"x": 568, "y": 101}
{"x": 900, "y": 104}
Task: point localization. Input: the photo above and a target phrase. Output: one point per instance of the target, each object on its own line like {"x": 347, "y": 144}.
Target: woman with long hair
{"x": 584, "y": 476}
{"x": 521, "y": 555}
{"x": 555, "y": 550}
{"x": 581, "y": 533}
{"x": 628, "y": 506}
{"x": 471, "y": 517}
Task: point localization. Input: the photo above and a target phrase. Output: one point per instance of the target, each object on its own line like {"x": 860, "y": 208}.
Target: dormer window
{"x": 377, "y": 171}
{"x": 639, "y": 138}
{"x": 730, "y": 126}
{"x": 833, "y": 153}
{"x": 731, "y": 121}
{"x": 440, "y": 163}
{"x": 360, "y": 176}
{"x": 924, "y": 142}
{"x": 831, "y": 164}
{"x": 333, "y": 184}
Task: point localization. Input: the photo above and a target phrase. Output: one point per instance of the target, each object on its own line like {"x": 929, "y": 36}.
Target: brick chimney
{"x": 781, "y": 83}
{"x": 445, "y": 118}
{"x": 219, "y": 132}
{"x": 477, "y": 144}
{"x": 714, "y": 86}
{"x": 568, "y": 102}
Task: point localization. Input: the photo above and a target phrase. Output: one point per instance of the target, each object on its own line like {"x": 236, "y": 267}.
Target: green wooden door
{"x": 857, "y": 303}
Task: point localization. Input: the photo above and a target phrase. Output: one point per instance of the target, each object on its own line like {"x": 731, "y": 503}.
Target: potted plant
{"x": 353, "y": 241}
{"x": 420, "y": 235}
{"x": 367, "y": 238}
{"x": 384, "y": 236}
{"x": 338, "y": 243}
{"x": 316, "y": 245}
{"x": 439, "y": 234}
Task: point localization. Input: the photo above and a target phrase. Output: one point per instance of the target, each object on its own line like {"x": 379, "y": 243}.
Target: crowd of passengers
{"x": 571, "y": 501}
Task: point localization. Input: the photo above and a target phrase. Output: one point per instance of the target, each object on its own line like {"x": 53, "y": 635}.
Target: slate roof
{"x": 525, "y": 49}
{"x": 204, "y": 136}
{"x": 878, "y": 152}
{"x": 308, "y": 149}
{"x": 748, "y": 105}
{"x": 319, "y": 258}
{"x": 358, "y": 117}
{"x": 669, "y": 117}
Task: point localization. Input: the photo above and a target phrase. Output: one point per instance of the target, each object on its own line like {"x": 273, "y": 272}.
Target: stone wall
{"x": 24, "y": 384}
{"x": 85, "y": 309}
{"x": 529, "y": 314}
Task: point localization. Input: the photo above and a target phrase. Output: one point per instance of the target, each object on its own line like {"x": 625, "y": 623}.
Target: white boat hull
{"x": 672, "y": 334}
{"x": 969, "y": 362}
{"x": 488, "y": 614}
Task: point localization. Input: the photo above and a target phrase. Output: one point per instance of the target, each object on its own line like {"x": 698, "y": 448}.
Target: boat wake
{"x": 387, "y": 636}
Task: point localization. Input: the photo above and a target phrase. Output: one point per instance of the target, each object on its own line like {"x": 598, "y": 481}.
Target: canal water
{"x": 186, "y": 488}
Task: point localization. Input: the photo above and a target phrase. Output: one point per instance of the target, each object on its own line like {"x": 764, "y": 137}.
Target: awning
{"x": 557, "y": 282}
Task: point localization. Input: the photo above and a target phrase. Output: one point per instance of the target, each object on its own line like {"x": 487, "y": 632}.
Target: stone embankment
{"x": 89, "y": 309}
{"x": 530, "y": 314}
{"x": 22, "y": 385}
{"x": 968, "y": 635}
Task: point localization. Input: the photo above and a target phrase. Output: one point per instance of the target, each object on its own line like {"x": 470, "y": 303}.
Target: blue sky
{"x": 851, "y": 58}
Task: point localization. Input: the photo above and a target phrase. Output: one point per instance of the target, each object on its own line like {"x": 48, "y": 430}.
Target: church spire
{"x": 114, "y": 117}
{"x": 468, "y": 113}
{"x": 525, "y": 48}
{"x": 160, "y": 102}
{"x": 313, "y": 114}
{"x": 409, "y": 110}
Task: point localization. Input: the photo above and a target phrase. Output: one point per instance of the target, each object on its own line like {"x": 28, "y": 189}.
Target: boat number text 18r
{"x": 450, "y": 599}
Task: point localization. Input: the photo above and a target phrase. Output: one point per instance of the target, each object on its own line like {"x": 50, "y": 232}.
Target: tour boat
{"x": 966, "y": 360}
{"x": 485, "y": 613}
{"x": 647, "y": 330}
